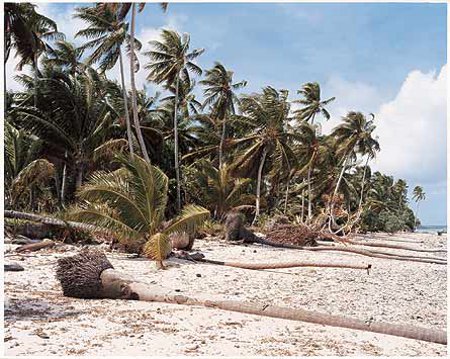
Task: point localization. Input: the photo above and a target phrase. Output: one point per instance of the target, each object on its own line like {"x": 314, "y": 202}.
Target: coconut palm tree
{"x": 66, "y": 57}
{"x": 270, "y": 138}
{"x": 354, "y": 136}
{"x": 418, "y": 196}
{"x": 73, "y": 118}
{"x": 107, "y": 34}
{"x": 219, "y": 91}
{"x": 313, "y": 104}
{"x": 130, "y": 203}
{"x": 170, "y": 63}
{"x": 24, "y": 169}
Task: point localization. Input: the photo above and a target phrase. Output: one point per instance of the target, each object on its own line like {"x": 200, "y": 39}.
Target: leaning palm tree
{"x": 219, "y": 92}
{"x": 418, "y": 196}
{"x": 170, "y": 63}
{"x": 270, "y": 139}
{"x": 66, "y": 57}
{"x": 312, "y": 102}
{"x": 106, "y": 35}
{"x": 353, "y": 136}
{"x": 130, "y": 203}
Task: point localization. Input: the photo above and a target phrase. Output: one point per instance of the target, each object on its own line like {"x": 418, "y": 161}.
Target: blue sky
{"x": 372, "y": 57}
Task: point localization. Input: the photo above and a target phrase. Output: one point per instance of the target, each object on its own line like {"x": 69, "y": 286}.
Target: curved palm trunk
{"x": 362, "y": 184}
{"x": 309, "y": 195}
{"x": 64, "y": 177}
{"x": 35, "y": 79}
{"x": 222, "y": 140}
{"x": 341, "y": 175}
{"x": 125, "y": 103}
{"x": 175, "y": 134}
{"x": 91, "y": 275}
{"x": 137, "y": 125}
{"x": 286, "y": 195}
{"x": 258, "y": 185}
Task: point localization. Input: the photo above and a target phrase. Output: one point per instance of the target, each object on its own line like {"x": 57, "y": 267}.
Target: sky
{"x": 382, "y": 58}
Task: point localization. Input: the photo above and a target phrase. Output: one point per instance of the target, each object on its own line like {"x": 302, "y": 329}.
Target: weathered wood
{"x": 393, "y": 246}
{"x": 13, "y": 267}
{"x": 90, "y": 275}
{"x": 35, "y": 246}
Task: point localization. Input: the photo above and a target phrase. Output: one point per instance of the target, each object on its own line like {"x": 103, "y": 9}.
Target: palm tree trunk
{"x": 175, "y": 134}
{"x": 303, "y": 203}
{"x": 258, "y": 185}
{"x": 341, "y": 175}
{"x": 309, "y": 194}
{"x": 35, "y": 80}
{"x": 79, "y": 178}
{"x": 362, "y": 184}
{"x": 286, "y": 195}
{"x": 222, "y": 140}
{"x": 125, "y": 103}
{"x": 64, "y": 176}
{"x": 137, "y": 125}
{"x": 78, "y": 280}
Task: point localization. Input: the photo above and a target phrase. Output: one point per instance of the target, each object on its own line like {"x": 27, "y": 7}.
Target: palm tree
{"x": 130, "y": 203}
{"x": 219, "y": 92}
{"x": 66, "y": 57}
{"x": 312, "y": 102}
{"x": 354, "y": 136}
{"x": 73, "y": 118}
{"x": 107, "y": 35}
{"x": 24, "y": 169}
{"x": 418, "y": 196}
{"x": 171, "y": 63}
{"x": 221, "y": 191}
{"x": 270, "y": 138}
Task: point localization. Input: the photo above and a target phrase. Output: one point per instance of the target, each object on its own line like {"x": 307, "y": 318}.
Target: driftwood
{"x": 89, "y": 274}
{"x": 199, "y": 257}
{"x": 393, "y": 246}
{"x": 52, "y": 221}
{"x": 236, "y": 231}
{"x": 35, "y": 246}
{"x": 13, "y": 267}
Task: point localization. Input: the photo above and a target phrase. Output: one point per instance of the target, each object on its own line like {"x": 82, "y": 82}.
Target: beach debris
{"x": 89, "y": 274}
{"x": 13, "y": 267}
{"x": 46, "y": 243}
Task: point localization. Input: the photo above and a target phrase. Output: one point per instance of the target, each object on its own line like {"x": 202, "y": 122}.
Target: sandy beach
{"x": 40, "y": 321}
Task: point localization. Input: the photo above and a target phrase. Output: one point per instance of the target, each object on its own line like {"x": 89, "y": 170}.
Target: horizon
{"x": 383, "y": 58}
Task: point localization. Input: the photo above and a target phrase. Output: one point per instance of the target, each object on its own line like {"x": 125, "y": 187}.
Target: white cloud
{"x": 412, "y": 128}
{"x": 350, "y": 96}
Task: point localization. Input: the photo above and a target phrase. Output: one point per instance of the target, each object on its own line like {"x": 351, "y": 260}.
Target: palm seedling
{"x": 130, "y": 204}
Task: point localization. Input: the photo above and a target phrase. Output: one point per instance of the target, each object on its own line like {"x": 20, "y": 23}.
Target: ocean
{"x": 432, "y": 228}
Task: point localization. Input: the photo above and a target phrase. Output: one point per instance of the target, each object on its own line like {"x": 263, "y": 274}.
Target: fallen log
{"x": 35, "y": 246}
{"x": 89, "y": 274}
{"x": 393, "y": 246}
{"x": 363, "y": 252}
{"x": 13, "y": 267}
{"x": 286, "y": 265}
{"x": 52, "y": 221}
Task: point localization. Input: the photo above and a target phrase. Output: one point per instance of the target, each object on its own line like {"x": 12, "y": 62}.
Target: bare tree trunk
{"x": 222, "y": 140}
{"x": 35, "y": 80}
{"x": 97, "y": 279}
{"x": 257, "y": 266}
{"x": 137, "y": 125}
{"x": 175, "y": 134}
{"x": 309, "y": 194}
{"x": 341, "y": 175}
{"x": 362, "y": 183}
{"x": 64, "y": 177}
{"x": 303, "y": 204}
{"x": 286, "y": 195}
{"x": 79, "y": 177}
{"x": 393, "y": 246}
{"x": 125, "y": 104}
{"x": 258, "y": 185}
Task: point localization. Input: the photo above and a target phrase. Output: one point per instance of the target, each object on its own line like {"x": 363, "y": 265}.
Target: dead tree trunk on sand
{"x": 236, "y": 231}
{"x": 89, "y": 274}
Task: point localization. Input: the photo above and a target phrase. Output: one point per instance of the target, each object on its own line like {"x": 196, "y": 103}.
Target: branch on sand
{"x": 89, "y": 274}
{"x": 198, "y": 257}
{"x": 36, "y": 246}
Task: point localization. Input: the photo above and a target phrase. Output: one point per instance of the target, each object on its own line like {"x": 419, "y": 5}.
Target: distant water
{"x": 432, "y": 228}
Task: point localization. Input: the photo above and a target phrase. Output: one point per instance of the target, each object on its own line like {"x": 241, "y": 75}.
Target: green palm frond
{"x": 192, "y": 217}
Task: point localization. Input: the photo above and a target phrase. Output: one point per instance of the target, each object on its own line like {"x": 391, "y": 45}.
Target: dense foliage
{"x": 227, "y": 151}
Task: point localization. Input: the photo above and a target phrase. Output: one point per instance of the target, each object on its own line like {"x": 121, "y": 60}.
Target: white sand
{"x": 40, "y": 321}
